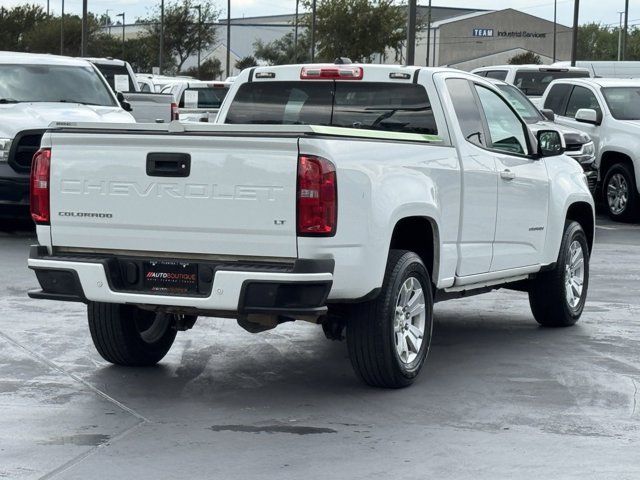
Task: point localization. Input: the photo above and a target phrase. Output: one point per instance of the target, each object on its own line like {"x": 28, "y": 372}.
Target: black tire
{"x": 631, "y": 211}
{"x": 127, "y": 335}
{"x": 548, "y": 291}
{"x": 370, "y": 326}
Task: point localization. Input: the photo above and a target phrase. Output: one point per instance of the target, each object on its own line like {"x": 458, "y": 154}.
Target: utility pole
{"x": 411, "y": 32}
{"x": 313, "y": 31}
{"x": 574, "y": 36}
{"x": 429, "y": 34}
{"x": 626, "y": 30}
{"x": 199, "y": 8}
{"x": 123, "y": 24}
{"x": 620, "y": 37}
{"x": 62, "y": 30}
{"x": 295, "y": 35}
{"x": 47, "y": 8}
{"x": 555, "y": 29}
{"x": 228, "y": 38}
{"x": 84, "y": 36}
{"x": 161, "y": 49}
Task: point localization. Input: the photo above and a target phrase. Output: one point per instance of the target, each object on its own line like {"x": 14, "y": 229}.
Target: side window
{"x": 482, "y": 74}
{"x": 505, "y": 128}
{"x": 582, "y": 97}
{"x": 556, "y": 98}
{"x": 144, "y": 87}
{"x": 467, "y": 110}
{"x": 497, "y": 74}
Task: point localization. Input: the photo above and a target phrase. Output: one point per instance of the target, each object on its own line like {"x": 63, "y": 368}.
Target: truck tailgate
{"x": 109, "y": 191}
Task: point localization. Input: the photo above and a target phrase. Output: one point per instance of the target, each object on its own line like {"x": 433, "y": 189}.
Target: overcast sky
{"x": 604, "y": 11}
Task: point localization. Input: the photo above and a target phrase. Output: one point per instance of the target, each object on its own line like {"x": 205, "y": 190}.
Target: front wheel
{"x": 557, "y": 296}
{"x": 621, "y": 194}
{"x": 127, "y": 335}
{"x": 388, "y": 338}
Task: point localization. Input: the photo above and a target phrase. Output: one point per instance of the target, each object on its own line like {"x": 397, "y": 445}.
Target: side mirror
{"x": 548, "y": 114}
{"x": 550, "y": 143}
{"x": 126, "y": 106}
{"x": 587, "y": 115}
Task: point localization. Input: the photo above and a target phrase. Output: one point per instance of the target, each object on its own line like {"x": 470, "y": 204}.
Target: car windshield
{"x": 521, "y": 103}
{"x": 624, "y": 102}
{"x": 53, "y": 83}
{"x": 533, "y": 84}
{"x": 116, "y": 72}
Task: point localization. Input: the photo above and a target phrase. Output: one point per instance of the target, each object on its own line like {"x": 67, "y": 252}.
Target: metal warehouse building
{"x": 459, "y": 37}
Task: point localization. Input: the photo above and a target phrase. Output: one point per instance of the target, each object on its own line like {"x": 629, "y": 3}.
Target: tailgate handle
{"x": 168, "y": 164}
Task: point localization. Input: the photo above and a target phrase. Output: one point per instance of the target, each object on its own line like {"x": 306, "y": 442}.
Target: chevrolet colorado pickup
{"x": 608, "y": 110}
{"x": 36, "y": 90}
{"x": 346, "y": 195}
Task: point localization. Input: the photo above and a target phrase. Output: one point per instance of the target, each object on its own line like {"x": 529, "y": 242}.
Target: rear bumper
{"x": 298, "y": 290}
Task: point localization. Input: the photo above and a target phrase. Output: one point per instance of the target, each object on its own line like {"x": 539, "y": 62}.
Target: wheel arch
{"x": 582, "y": 212}
{"x": 610, "y": 158}
{"x": 420, "y": 235}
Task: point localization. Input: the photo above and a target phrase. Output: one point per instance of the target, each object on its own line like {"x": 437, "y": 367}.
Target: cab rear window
{"x": 208, "y": 97}
{"x": 533, "y": 84}
{"x": 369, "y": 105}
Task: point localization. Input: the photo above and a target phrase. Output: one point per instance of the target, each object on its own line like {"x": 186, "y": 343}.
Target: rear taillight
{"x": 175, "y": 111}
{"x": 317, "y": 197}
{"x": 40, "y": 168}
{"x": 331, "y": 72}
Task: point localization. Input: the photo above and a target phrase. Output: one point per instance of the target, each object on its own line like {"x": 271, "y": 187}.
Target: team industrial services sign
{"x": 490, "y": 32}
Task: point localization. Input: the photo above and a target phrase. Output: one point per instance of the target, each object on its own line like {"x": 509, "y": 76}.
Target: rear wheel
{"x": 388, "y": 338}
{"x": 621, "y": 194}
{"x": 557, "y": 297}
{"x": 128, "y": 335}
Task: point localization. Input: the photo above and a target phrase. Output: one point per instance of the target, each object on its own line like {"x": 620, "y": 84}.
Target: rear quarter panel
{"x": 380, "y": 183}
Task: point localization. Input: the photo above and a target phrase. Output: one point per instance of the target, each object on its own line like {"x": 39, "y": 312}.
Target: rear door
{"x": 182, "y": 193}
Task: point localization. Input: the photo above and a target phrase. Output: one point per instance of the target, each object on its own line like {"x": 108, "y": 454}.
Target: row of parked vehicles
{"x": 36, "y": 90}
{"x": 351, "y": 196}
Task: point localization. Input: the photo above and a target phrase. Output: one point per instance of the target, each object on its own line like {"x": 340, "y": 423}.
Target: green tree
{"x": 358, "y": 29}
{"x": 183, "y": 35}
{"x": 282, "y": 51}
{"x": 15, "y": 22}
{"x": 246, "y": 62}
{"x": 210, "y": 69}
{"x": 525, "y": 58}
{"x": 597, "y": 42}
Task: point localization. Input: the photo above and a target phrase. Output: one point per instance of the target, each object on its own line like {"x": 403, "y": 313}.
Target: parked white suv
{"x": 36, "y": 90}
{"x": 531, "y": 79}
{"x": 338, "y": 194}
{"x": 609, "y": 111}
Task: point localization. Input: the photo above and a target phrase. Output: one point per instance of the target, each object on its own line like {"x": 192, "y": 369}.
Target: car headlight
{"x": 587, "y": 154}
{"x": 5, "y": 146}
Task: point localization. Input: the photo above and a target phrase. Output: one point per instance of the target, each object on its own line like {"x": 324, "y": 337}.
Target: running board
{"x": 487, "y": 283}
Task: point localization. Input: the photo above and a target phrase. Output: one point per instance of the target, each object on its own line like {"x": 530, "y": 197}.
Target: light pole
{"x": 411, "y": 32}
{"x": 123, "y": 24}
{"x": 199, "y": 8}
{"x": 84, "y": 35}
{"x": 428, "y": 35}
{"x": 626, "y": 30}
{"x": 574, "y": 36}
{"x": 228, "y": 38}
{"x": 161, "y": 50}
{"x": 295, "y": 36}
{"x": 62, "y": 30}
{"x": 555, "y": 28}
{"x": 313, "y": 31}
{"x": 620, "y": 37}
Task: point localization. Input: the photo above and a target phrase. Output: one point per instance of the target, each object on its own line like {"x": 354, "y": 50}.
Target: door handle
{"x": 168, "y": 164}
{"x": 507, "y": 175}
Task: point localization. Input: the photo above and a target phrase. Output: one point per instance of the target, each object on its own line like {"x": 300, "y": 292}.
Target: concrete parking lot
{"x": 500, "y": 397}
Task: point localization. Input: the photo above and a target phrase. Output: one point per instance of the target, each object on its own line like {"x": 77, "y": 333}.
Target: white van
{"x": 607, "y": 69}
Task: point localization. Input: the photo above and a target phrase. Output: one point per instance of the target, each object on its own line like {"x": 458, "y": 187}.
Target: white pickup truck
{"x": 347, "y": 195}
{"x": 36, "y": 90}
{"x": 609, "y": 111}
